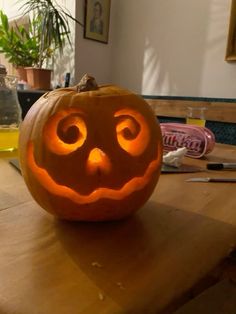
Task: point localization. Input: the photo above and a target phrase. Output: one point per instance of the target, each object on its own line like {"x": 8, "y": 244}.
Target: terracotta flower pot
{"x": 39, "y": 78}
{"x": 21, "y": 71}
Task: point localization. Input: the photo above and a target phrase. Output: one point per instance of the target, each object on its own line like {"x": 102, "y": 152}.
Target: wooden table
{"x": 141, "y": 265}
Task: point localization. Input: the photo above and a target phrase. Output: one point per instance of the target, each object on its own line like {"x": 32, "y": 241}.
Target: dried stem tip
{"x": 87, "y": 83}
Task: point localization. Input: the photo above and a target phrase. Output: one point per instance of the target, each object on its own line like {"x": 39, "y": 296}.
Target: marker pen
{"x": 221, "y": 166}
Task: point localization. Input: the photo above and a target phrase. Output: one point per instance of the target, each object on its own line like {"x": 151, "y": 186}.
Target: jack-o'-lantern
{"x": 90, "y": 153}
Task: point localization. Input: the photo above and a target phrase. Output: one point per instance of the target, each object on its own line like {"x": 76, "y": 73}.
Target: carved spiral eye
{"x": 132, "y": 131}
{"x": 65, "y": 132}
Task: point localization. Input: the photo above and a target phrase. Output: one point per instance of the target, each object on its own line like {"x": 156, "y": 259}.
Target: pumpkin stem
{"x": 87, "y": 83}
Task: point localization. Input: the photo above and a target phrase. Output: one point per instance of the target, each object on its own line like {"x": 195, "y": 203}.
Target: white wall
{"x": 156, "y": 47}
{"x": 10, "y": 8}
{"x": 92, "y": 57}
{"x": 66, "y": 62}
{"x": 173, "y": 47}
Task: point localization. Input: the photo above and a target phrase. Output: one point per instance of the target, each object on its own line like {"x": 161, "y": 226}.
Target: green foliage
{"x": 17, "y": 43}
{"x": 53, "y": 24}
{"x": 48, "y": 31}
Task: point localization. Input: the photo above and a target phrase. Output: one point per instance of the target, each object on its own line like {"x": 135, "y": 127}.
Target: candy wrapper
{"x": 198, "y": 141}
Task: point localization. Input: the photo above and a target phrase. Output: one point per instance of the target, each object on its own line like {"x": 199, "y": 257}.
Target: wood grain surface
{"x": 140, "y": 265}
{"x": 215, "y": 111}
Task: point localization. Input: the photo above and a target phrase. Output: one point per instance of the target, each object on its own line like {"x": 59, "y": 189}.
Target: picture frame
{"x": 231, "y": 40}
{"x": 97, "y": 20}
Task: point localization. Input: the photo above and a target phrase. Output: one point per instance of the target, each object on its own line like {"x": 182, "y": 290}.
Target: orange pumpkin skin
{"x": 92, "y": 155}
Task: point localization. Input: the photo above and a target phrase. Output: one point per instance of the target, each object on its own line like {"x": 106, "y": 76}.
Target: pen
{"x": 211, "y": 180}
{"x": 221, "y": 166}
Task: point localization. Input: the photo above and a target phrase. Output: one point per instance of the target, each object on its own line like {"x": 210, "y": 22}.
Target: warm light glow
{"x": 98, "y": 161}
{"x": 135, "y": 184}
{"x": 132, "y": 131}
{"x": 65, "y": 132}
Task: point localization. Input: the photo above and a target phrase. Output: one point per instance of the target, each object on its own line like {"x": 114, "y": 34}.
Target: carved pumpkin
{"x": 90, "y": 155}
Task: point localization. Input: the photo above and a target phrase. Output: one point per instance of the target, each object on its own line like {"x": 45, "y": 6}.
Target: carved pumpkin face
{"x": 92, "y": 155}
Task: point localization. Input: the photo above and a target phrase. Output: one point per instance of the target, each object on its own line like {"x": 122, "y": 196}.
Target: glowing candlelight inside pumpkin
{"x": 91, "y": 154}
{"x": 98, "y": 161}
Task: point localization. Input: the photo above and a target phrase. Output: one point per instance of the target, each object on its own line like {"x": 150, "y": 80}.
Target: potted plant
{"x": 18, "y": 44}
{"x": 53, "y": 31}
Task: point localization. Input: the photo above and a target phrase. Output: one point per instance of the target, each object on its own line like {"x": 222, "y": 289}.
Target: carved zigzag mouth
{"x": 43, "y": 177}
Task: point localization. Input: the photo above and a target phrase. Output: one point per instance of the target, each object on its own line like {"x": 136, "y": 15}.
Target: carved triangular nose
{"x": 98, "y": 161}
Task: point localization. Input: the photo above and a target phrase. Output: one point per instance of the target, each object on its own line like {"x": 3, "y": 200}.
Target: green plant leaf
{"x": 4, "y": 21}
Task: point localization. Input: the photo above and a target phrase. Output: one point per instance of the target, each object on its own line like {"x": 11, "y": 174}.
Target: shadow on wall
{"x": 62, "y": 65}
{"x": 175, "y": 49}
{"x": 161, "y": 45}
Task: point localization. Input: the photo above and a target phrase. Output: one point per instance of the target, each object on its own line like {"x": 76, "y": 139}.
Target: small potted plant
{"x": 18, "y": 44}
{"x": 53, "y": 31}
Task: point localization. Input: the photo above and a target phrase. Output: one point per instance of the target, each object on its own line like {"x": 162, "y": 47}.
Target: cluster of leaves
{"x": 48, "y": 31}
{"x": 17, "y": 43}
{"x": 53, "y": 25}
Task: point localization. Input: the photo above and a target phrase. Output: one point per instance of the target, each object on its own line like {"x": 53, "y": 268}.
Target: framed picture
{"x": 97, "y": 16}
{"x": 231, "y": 42}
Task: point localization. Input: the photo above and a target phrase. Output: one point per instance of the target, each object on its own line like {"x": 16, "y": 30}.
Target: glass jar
{"x": 10, "y": 112}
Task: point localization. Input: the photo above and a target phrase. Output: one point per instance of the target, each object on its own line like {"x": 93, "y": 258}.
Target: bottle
{"x": 10, "y": 112}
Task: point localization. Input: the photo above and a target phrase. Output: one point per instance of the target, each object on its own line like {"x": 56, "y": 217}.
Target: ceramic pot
{"x": 21, "y": 72}
{"x": 39, "y": 78}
